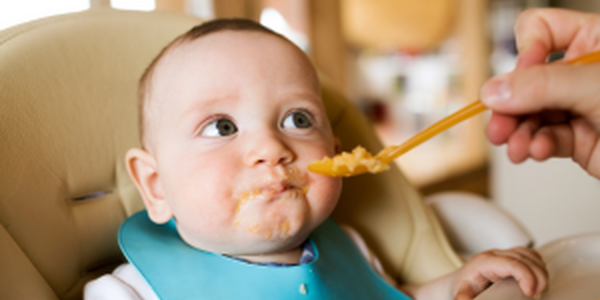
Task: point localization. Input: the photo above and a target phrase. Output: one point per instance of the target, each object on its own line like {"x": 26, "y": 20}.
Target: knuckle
{"x": 526, "y": 15}
{"x": 521, "y": 249}
{"x": 513, "y": 262}
{"x": 525, "y": 19}
{"x": 484, "y": 255}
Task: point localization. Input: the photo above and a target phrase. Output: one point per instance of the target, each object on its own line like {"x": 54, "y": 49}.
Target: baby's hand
{"x": 524, "y": 264}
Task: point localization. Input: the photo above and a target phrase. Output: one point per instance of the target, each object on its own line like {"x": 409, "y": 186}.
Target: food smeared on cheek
{"x": 247, "y": 196}
{"x": 293, "y": 174}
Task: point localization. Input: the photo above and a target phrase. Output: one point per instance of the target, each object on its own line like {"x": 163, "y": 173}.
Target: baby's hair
{"x": 204, "y": 29}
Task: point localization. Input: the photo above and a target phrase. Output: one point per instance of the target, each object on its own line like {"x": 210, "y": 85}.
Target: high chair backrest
{"x": 68, "y": 114}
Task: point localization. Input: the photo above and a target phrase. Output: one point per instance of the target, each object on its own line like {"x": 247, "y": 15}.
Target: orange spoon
{"x": 360, "y": 161}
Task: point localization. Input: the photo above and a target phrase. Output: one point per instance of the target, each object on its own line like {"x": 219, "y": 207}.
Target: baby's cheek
{"x": 200, "y": 212}
{"x": 324, "y": 193}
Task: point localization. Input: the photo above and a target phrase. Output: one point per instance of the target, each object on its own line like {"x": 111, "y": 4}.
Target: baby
{"x": 231, "y": 116}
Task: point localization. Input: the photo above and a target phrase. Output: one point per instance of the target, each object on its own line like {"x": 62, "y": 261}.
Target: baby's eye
{"x": 297, "y": 119}
{"x": 221, "y": 127}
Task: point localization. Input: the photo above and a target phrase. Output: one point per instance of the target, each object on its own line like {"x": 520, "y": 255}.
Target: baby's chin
{"x": 260, "y": 246}
{"x": 274, "y": 219}
{"x": 263, "y": 242}
{"x": 271, "y": 228}
{"x": 256, "y": 234}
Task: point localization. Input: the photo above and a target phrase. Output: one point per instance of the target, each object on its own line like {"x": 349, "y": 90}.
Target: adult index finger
{"x": 542, "y": 31}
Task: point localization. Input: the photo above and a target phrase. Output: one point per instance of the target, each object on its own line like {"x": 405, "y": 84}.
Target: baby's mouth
{"x": 282, "y": 191}
{"x": 283, "y": 186}
{"x": 267, "y": 209}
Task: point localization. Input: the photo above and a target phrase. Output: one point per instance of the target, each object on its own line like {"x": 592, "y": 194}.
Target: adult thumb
{"x": 573, "y": 88}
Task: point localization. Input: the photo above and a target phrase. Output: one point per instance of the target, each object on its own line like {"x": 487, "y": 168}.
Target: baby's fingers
{"x": 523, "y": 253}
{"x": 531, "y": 263}
{"x": 468, "y": 290}
{"x": 465, "y": 294}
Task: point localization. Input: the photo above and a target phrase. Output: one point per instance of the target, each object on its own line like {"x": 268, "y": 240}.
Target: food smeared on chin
{"x": 245, "y": 197}
{"x": 284, "y": 227}
{"x": 253, "y": 228}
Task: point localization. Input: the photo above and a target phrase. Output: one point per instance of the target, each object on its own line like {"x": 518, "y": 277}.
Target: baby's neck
{"x": 290, "y": 257}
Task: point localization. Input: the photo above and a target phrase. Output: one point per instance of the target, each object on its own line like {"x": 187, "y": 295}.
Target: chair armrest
{"x": 474, "y": 224}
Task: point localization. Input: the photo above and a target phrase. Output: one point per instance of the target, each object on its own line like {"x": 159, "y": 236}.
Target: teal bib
{"x": 178, "y": 271}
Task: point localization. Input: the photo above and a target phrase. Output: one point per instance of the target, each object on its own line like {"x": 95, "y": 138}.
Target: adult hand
{"x": 549, "y": 110}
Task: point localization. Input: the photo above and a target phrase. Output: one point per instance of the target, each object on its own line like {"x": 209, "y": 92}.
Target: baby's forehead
{"x": 232, "y": 50}
{"x": 232, "y": 45}
{"x": 184, "y": 58}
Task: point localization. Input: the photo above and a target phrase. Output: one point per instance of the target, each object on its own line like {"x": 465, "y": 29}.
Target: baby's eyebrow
{"x": 205, "y": 103}
{"x": 304, "y": 95}
{"x": 197, "y": 109}
{"x": 214, "y": 99}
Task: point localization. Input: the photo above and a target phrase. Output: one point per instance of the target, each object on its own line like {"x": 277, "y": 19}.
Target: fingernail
{"x": 496, "y": 90}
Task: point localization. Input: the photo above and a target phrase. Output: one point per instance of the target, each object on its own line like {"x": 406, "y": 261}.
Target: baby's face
{"x": 237, "y": 119}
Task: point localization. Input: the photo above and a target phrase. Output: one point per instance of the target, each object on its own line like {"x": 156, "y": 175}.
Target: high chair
{"x": 68, "y": 114}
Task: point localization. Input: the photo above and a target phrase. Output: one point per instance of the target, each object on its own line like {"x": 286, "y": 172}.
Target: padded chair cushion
{"x": 68, "y": 114}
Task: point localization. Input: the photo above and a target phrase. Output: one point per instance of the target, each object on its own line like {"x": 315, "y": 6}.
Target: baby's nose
{"x": 269, "y": 150}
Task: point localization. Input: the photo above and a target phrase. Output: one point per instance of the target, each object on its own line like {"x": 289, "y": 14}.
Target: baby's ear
{"x": 141, "y": 166}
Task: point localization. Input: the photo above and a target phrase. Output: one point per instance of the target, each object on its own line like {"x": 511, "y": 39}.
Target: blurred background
{"x": 407, "y": 64}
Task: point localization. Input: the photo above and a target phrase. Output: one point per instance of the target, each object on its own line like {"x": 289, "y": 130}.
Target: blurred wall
{"x": 583, "y": 5}
{"x": 552, "y": 199}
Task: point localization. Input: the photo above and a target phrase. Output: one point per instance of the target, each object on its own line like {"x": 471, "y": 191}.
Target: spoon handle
{"x": 388, "y": 154}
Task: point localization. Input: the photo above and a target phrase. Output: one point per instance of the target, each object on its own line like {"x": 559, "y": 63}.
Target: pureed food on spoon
{"x": 349, "y": 163}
